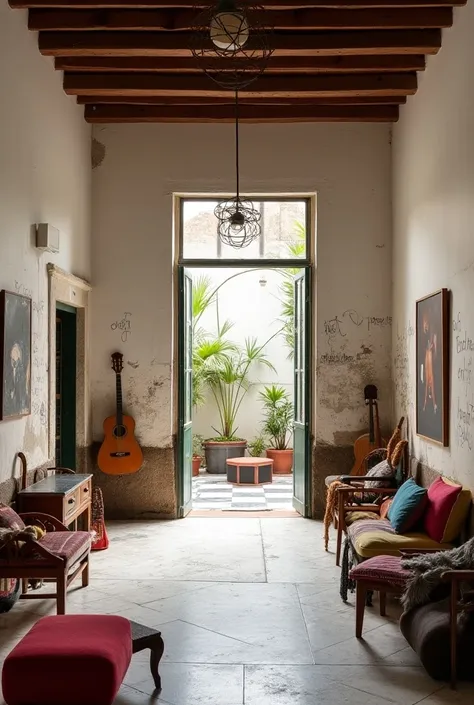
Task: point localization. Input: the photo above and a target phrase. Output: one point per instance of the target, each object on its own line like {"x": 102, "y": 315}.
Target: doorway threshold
{"x": 241, "y": 514}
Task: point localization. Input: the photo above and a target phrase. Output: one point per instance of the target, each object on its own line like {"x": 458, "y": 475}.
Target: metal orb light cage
{"x": 231, "y": 42}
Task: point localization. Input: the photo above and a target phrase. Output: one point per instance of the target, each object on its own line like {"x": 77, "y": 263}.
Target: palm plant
{"x": 278, "y": 410}
{"x": 228, "y": 379}
{"x": 295, "y": 249}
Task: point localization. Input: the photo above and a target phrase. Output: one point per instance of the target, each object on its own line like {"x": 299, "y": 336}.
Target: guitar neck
{"x": 118, "y": 393}
{"x": 378, "y": 435}
{"x": 371, "y": 422}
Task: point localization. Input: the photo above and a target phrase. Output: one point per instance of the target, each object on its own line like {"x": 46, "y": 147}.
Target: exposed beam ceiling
{"x": 339, "y": 60}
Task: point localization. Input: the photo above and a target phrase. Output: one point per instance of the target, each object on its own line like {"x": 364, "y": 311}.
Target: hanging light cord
{"x": 237, "y": 146}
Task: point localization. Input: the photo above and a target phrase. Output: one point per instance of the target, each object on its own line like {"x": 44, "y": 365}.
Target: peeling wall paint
{"x": 44, "y": 177}
{"x": 433, "y": 185}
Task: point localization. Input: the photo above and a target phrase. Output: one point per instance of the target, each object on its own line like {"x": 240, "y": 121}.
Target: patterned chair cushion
{"x": 377, "y": 538}
{"x": 383, "y": 470}
{"x": 351, "y": 517}
{"x": 9, "y": 519}
{"x": 69, "y": 545}
{"x": 381, "y": 569}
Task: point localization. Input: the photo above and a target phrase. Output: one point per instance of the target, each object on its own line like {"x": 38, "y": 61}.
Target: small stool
{"x": 73, "y": 659}
{"x": 147, "y": 638}
{"x": 249, "y": 471}
{"x": 382, "y": 574}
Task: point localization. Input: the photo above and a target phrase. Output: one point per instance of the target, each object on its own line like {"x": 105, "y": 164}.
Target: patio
{"x": 213, "y": 492}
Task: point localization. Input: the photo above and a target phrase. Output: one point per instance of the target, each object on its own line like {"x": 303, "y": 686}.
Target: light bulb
{"x": 229, "y": 30}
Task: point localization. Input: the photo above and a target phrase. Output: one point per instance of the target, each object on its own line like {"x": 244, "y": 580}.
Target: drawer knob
{"x": 86, "y": 489}
{"x": 71, "y": 501}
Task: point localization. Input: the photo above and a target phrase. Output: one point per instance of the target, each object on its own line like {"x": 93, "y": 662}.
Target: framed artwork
{"x": 432, "y": 367}
{"x": 15, "y": 355}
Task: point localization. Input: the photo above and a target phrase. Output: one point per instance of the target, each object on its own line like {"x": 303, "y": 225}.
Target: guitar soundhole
{"x": 120, "y": 431}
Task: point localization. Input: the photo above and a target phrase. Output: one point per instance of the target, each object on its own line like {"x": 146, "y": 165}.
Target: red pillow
{"x": 441, "y": 500}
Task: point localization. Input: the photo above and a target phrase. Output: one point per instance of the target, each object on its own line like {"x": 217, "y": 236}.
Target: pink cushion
{"x": 9, "y": 519}
{"x": 69, "y": 660}
{"x": 381, "y": 569}
{"x": 441, "y": 500}
{"x": 69, "y": 545}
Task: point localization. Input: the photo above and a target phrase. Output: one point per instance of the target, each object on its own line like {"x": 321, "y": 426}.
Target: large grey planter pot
{"x": 217, "y": 454}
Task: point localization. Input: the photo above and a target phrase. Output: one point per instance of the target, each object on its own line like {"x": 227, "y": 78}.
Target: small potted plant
{"x": 277, "y": 426}
{"x": 257, "y": 447}
{"x": 197, "y": 453}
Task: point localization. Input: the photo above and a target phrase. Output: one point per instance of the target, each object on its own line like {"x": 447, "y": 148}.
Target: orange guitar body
{"x": 120, "y": 455}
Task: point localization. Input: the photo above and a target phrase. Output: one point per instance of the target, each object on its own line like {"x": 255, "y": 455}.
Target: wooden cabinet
{"x": 66, "y": 497}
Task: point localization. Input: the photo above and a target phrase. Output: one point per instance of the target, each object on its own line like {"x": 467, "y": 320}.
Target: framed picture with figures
{"x": 15, "y": 355}
{"x": 432, "y": 367}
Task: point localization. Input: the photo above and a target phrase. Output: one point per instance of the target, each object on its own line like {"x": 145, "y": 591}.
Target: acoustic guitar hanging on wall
{"x": 371, "y": 440}
{"x": 119, "y": 453}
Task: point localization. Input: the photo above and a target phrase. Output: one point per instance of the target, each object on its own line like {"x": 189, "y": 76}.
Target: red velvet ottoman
{"x": 69, "y": 660}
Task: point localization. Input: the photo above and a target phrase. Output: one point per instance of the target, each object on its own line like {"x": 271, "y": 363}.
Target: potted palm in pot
{"x": 227, "y": 378}
{"x": 197, "y": 453}
{"x": 277, "y": 426}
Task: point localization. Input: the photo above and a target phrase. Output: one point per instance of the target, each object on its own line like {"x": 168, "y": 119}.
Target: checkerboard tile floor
{"x": 214, "y": 492}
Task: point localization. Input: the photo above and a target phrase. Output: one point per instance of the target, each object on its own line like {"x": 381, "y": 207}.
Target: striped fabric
{"x": 375, "y": 538}
{"x": 381, "y": 569}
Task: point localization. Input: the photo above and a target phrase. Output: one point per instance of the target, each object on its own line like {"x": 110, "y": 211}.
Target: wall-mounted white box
{"x": 47, "y": 237}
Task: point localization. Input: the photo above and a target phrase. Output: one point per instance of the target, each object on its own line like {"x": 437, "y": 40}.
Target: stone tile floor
{"x": 250, "y": 614}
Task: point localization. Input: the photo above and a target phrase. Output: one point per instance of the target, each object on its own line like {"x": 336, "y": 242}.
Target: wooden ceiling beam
{"x": 270, "y": 4}
{"x": 420, "y": 41}
{"x": 273, "y": 86}
{"x": 226, "y": 113}
{"x": 278, "y": 64}
{"x": 298, "y": 19}
{"x": 229, "y": 100}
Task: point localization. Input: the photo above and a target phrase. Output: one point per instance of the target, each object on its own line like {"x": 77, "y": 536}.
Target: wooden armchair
{"x": 345, "y": 504}
{"x": 59, "y": 556}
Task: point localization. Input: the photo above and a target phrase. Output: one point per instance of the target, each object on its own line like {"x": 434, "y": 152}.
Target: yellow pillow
{"x": 458, "y": 514}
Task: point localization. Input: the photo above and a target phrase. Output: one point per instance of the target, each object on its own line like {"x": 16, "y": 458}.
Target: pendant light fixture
{"x": 238, "y": 219}
{"x": 230, "y": 42}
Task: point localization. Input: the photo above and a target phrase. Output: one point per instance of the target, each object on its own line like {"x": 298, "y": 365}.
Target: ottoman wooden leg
{"x": 361, "y": 595}
{"x": 383, "y": 603}
{"x": 156, "y": 652}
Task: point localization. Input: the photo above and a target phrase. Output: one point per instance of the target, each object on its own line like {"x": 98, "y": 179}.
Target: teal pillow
{"x": 407, "y": 507}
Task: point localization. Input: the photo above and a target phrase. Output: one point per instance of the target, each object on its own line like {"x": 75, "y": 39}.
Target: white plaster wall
{"x": 434, "y": 235}
{"x": 255, "y": 311}
{"x": 347, "y": 165}
{"x": 44, "y": 177}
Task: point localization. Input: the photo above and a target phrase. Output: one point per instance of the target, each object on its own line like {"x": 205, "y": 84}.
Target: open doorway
{"x": 66, "y": 342}
{"x": 244, "y": 377}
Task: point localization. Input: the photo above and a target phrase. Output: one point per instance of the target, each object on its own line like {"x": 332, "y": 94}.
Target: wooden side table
{"x": 249, "y": 471}
{"x": 66, "y": 497}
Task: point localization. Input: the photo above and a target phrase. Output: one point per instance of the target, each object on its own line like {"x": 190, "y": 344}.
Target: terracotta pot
{"x": 282, "y": 460}
{"x": 197, "y": 460}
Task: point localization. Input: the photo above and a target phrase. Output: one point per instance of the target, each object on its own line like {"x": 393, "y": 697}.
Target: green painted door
{"x": 302, "y": 396}
{"x": 65, "y": 386}
{"x": 185, "y": 404}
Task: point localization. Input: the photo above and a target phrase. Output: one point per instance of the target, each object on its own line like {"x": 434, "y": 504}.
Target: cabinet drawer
{"x": 85, "y": 492}
{"x": 71, "y": 503}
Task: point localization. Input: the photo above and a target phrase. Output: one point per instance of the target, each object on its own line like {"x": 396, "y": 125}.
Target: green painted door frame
{"x": 302, "y": 465}
{"x": 66, "y": 337}
{"x": 185, "y": 392}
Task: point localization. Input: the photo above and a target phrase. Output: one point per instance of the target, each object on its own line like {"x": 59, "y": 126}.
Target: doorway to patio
{"x": 244, "y": 349}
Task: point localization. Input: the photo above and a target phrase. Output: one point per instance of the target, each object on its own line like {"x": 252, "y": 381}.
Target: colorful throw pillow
{"x": 384, "y": 507}
{"x": 458, "y": 515}
{"x": 383, "y": 470}
{"x": 441, "y": 499}
{"x": 9, "y": 519}
{"x": 407, "y": 507}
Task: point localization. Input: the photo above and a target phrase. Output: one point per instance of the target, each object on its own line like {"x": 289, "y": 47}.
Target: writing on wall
{"x": 463, "y": 349}
{"x": 341, "y": 324}
{"x": 402, "y": 387}
{"x": 124, "y": 326}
